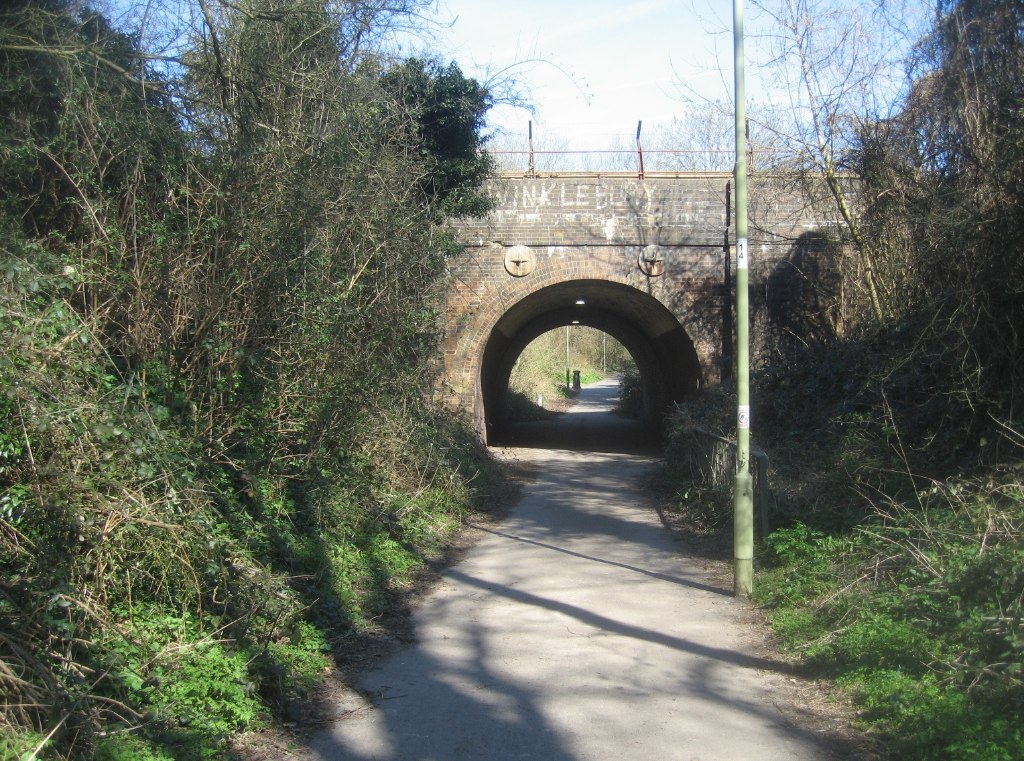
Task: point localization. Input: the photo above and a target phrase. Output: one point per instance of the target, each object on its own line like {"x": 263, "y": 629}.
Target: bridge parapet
{"x": 664, "y": 237}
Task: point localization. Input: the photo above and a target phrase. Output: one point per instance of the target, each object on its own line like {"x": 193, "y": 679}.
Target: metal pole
{"x": 568, "y": 381}
{"x": 639, "y": 149}
{"x": 533, "y": 165}
{"x": 743, "y": 505}
{"x": 728, "y": 358}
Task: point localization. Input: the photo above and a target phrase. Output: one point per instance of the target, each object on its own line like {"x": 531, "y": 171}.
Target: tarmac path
{"x": 577, "y": 631}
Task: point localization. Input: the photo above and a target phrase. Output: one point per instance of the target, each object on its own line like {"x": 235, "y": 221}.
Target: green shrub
{"x": 205, "y": 686}
{"x": 126, "y": 747}
{"x": 20, "y": 744}
{"x": 297, "y": 661}
{"x": 630, "y": 394}
{"x": 216, "y": 453}
{"x": 924, "y": 719}
{"x": 798, "y": 545}
{"x": 879, "y": 640}
{"x": 917, "y": 614}
{"x": 522, "y": 408}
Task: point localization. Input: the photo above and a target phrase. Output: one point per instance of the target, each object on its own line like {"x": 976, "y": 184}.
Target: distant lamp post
{"x": 568, "y": 372}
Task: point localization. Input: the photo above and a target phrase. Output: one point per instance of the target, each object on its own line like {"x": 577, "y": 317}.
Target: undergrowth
{"x": 154, "y": 601}
{"x": 219, "y": 317}
{"x": 896, "y": 567}
{"x": 917, "y": 613}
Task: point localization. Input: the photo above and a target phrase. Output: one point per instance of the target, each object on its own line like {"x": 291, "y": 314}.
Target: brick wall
{"x": 596, "y": 228}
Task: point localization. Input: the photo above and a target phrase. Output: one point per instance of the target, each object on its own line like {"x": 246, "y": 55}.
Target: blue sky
{"x": 591, "y": 68}
{"x": 596, "y": 67}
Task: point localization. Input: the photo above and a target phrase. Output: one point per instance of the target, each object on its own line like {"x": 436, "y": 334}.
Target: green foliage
{"x": 208, "y": 688}
{"x": 540, "y": 368}
{"x": 524, "y": 408}
{"x": 20, "y": 745}
{"x": 195, "y": 691}
{"x": 373, "y": 561}
{"x": 294, "y": 664}
{"x": 631, "y": 393}
{"x": 802, "y": 562}
{"x": 895, "y": 566}
{"x": 129, "y": 748}
{"x": 796, "y": 546}
{"x": 934, "y": 722}
{"x": 448, "y": 110}
{"x": 905, "y": 589}
{"x": 218, "y": 312}
{"x": 918, "y": 614}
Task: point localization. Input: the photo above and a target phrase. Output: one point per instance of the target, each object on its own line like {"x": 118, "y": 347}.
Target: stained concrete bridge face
{"x": 647, "y": 261}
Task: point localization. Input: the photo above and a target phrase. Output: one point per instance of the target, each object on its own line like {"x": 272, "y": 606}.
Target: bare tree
{"x": 837, "y": 65}
{"x": 820, "y": 71}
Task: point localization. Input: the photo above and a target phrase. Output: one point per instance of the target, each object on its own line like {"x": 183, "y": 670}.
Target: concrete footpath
{"x": 577, "y": 630}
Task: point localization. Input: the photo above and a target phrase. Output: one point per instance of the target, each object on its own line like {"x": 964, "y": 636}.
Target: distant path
{"x": 588, "y": 426}
{"x": 576, "y": 631}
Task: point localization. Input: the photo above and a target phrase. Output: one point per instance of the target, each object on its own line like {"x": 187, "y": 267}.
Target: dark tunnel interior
{"x": 664, "y": 353}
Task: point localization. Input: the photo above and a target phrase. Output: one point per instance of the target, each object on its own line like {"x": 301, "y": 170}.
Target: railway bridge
{"x": 645, "y": 258}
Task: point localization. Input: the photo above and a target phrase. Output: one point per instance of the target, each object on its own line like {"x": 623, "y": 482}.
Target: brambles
{"x": 907, "y": 591}
{"x": 896, "y": 444}
{"x": 218, "y": 306}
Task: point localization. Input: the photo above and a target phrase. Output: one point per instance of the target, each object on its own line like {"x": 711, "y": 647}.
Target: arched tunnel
{"x": 664, "y": 354}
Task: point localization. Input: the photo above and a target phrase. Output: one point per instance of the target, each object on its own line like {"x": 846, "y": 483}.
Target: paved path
{"x": 576, "y": 631}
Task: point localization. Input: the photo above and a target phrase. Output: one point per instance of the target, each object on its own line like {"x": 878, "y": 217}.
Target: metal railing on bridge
{"x": 635, "y": 159}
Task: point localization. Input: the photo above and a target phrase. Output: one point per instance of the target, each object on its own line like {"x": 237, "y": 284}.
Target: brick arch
{"x": 506, "y": 313}
{"x": 593, "y": 228}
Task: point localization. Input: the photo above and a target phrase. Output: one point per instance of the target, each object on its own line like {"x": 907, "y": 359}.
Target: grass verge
{"x": 906, "y": 592}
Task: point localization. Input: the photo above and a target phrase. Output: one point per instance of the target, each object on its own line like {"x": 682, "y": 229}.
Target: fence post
{"x": 712, "y": 460}
{"x": 640, "y": 149}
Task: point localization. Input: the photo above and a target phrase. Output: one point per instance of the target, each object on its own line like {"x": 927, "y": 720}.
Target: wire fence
{"x": 642, "y": 162}
{"x": 710, "y": 460}
{"x": 531, "y": 160}
{"x": 538, "y": 163}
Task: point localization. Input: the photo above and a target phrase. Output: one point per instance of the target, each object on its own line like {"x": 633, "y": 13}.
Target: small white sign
{"x": 743, "y": 417}
{"x": 741, "y": 254}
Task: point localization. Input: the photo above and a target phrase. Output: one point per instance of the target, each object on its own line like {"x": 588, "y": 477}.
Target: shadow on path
{"x": 645, "y": 572}
{"x": 576, "y": 632}
{"x": 588, "y": 426}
